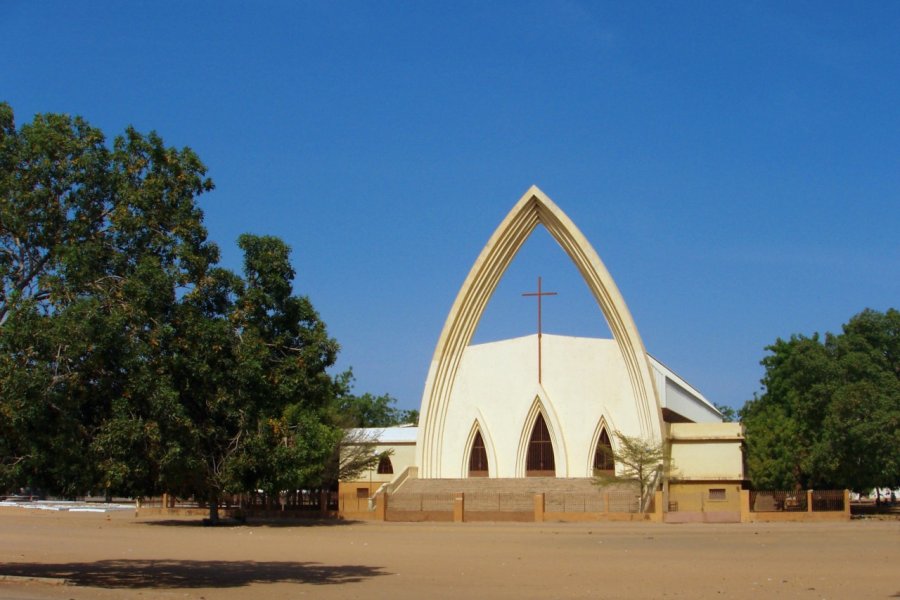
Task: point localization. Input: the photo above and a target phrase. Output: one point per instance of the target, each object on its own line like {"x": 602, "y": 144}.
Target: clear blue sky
{"x": 735, "y": 164}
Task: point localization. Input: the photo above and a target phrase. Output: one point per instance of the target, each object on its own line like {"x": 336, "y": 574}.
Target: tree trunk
{"x": 213, "y": 509}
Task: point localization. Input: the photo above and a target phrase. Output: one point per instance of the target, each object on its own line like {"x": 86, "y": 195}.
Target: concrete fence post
{"x": 847, "y": 503}
{"x": 381, "y": 502}
{"x": 809, "y": 501}
{"x": 745, "y": 506}
{"x": 539, "y": 508}
{"x": 658, "y": 506}
{"x": 459, "y": 508}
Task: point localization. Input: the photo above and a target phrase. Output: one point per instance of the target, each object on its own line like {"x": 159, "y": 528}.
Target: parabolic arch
{"x": 532, "y": 209}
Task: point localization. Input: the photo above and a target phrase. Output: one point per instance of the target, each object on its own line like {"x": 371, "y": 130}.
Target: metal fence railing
{"x": 777, "y": 501}
{"x": 796, "y": 501}
{"x": 296, "y": 500}
{"x": 827, "y": 500}
{"x": 157, "y": 502}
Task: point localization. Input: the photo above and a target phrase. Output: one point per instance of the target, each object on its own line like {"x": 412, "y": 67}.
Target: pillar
{"x": 381, "y": 501}
{"x": 459, "y": 508}
{"x": 539, "y": 508}
{"x": 658, "y": 506}
{"x": 745, "y": 506}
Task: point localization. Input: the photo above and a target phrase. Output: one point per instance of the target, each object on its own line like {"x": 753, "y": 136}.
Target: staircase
{"x": 486, "y": 485}
{"x": 513, "y": 495}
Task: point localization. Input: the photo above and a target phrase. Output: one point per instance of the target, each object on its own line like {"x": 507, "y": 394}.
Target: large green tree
{"x": 130, "y": 362}
{"x": 829, "y": 415}
{"x": 259, "y": 411}
{"x": 95, "y": 243}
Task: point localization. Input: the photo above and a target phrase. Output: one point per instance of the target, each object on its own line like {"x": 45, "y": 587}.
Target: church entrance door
{"x": 539, "y": 462}
{"x": 478, "y": 464}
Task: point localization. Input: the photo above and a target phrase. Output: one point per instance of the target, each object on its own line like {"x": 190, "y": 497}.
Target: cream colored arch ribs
{"x": 532, "y": 209}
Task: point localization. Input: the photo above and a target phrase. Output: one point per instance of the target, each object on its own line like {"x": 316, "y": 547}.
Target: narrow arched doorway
{"x": 478, "y": 464}
{"x": 539, "y": 460}
{"x": 604, "y": 460}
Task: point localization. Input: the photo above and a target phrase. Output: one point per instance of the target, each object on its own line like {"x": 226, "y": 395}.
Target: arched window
{"x": 384, "y": 465}
{"x": 604, "y": 460}
{"x": 478, "y": 465}
{"x": 540, "y": 461}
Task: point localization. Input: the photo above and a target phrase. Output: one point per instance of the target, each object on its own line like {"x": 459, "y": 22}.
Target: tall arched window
{"x": 385, "y": 467}
{"x": 478, "y": 465}
{"x": 604, "y": 460}
{"x": 539, "y": 462}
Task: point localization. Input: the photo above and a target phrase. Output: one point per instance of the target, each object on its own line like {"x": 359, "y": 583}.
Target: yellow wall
{"x": 706, "y": 451}
{"x": 403, "y": 455}
{"x": 696, "y": 496}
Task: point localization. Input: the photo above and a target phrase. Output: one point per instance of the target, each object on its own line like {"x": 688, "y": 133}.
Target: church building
{"x": 551, "y": 406}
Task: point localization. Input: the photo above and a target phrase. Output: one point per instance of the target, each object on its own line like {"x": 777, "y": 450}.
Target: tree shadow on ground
{"x": 137, "y": 574}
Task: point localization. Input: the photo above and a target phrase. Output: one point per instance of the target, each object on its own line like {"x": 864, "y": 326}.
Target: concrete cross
{"x": 540, "y": 294}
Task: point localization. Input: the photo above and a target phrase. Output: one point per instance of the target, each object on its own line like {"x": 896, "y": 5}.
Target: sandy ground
{"x": 88, "y": 555}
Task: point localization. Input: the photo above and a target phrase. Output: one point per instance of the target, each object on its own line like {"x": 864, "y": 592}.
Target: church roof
{"x": 389, "y": 435}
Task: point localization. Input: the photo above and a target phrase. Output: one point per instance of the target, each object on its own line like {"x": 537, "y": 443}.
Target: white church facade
{"x": 550, "y": 405}
{"x": 497, "y": 402}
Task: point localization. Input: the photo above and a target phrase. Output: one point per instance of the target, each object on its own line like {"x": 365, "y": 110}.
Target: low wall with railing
{"x": 515, "y": 506}
{"x": 297, "y": 504}
{"x": 802, "y": 505}
{"x": 755, "y": 506}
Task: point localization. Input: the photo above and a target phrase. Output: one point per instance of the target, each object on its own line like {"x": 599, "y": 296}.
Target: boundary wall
{"x": 460, "y": 508}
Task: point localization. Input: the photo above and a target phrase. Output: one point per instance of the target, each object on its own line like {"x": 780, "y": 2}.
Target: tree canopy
{"x": 829, "y": 413}
{"x": 368, "y": 410}
{"x": 130, "y": 362}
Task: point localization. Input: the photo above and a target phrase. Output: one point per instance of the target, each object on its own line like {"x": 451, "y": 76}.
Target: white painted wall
{"x": 584, "y": 381}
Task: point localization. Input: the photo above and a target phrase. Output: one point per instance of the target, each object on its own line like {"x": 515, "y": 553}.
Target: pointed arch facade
{"x": 604, "y": 456}
{"x": 478, "y": 462}
{"x": 540, "y": 460}
{"x": 541, "y": 411}
{"x": 603, "y": 427}
{"x": 479, "y": 442}
{"x": 532, "y": 209}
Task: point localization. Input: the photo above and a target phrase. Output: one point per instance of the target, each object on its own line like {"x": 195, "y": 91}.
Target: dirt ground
{"x": 113, "y": 555}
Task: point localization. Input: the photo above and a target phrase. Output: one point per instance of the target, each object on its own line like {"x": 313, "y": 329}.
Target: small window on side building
{"x": 717, "y": 494}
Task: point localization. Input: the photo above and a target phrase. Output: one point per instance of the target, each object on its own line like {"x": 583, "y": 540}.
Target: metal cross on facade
{"x": 540, "y": 294}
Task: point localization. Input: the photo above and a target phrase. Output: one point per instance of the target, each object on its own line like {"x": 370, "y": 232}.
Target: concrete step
{"x": 505, "y": 495}
{"x": 526, "y": 485}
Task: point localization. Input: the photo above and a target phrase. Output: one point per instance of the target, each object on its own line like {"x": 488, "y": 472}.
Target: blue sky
{"x": 735, "y": 165}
